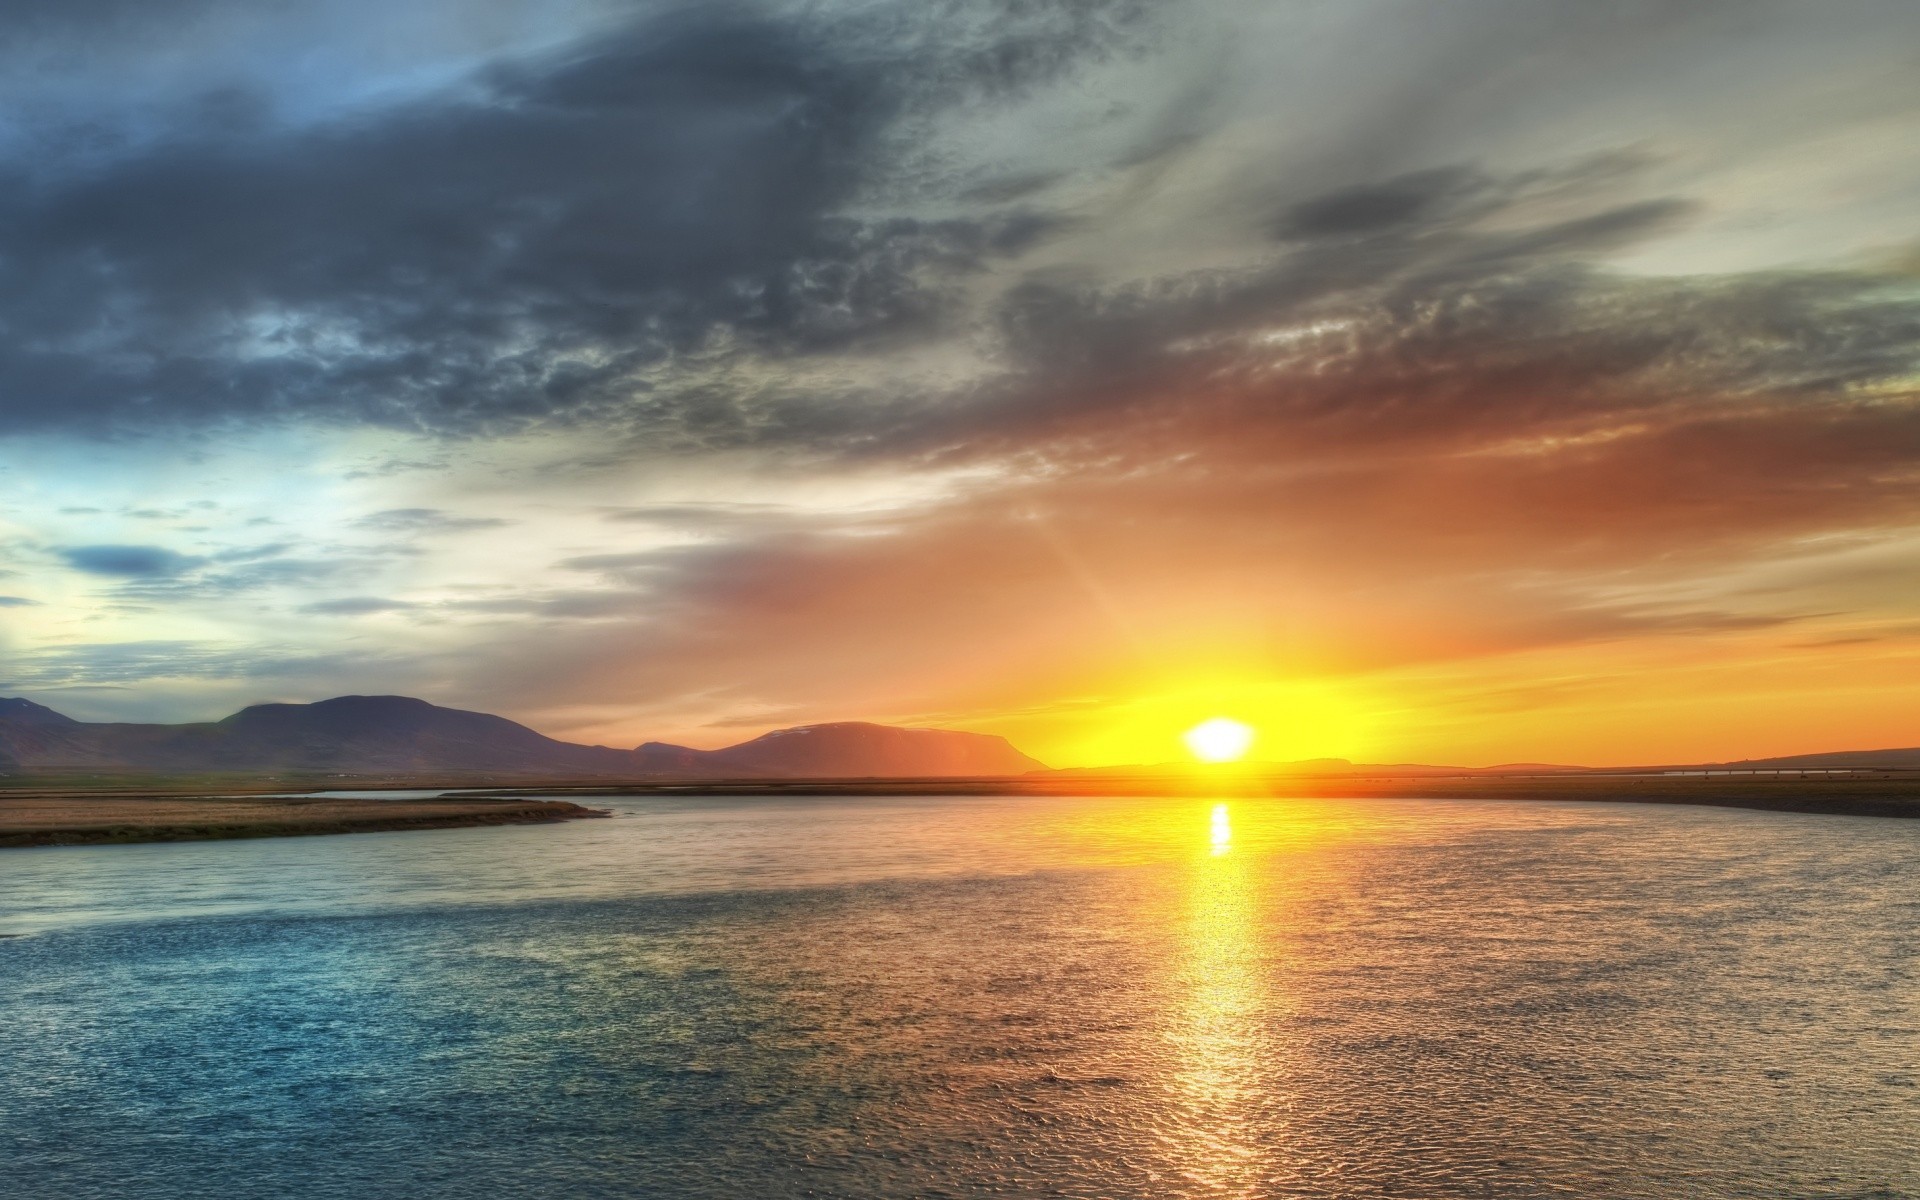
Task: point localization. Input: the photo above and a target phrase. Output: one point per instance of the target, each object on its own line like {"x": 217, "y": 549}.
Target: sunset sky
{"x": 1479, "y": 381}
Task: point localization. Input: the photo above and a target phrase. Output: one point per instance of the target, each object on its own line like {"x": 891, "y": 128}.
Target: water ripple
{"x": 1100, "y": 998}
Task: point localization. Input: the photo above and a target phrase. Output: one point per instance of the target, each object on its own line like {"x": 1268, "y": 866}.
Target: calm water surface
{"x": 940, "y": 997}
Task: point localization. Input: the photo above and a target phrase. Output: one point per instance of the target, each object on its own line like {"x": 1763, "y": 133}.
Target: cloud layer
{"x": 703, "y": 366}
{"x": 535, "y": 241}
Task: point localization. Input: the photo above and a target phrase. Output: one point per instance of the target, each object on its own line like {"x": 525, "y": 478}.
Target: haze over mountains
{"x": 372, "y": 735}
{"x": 398, "y": 735}
{"x": 1902, "y": 759}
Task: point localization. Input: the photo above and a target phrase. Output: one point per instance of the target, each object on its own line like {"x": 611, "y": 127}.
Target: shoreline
{"x": 79, "y": 819}
{"x": 78, "y": 816}
{"x": 1894, "y": 796}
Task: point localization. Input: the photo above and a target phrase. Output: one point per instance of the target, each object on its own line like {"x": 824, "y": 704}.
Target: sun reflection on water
{"x": 1218, "y": 1085}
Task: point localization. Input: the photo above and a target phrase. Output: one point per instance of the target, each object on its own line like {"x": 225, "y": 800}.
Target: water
{"x": 965, "y": 997}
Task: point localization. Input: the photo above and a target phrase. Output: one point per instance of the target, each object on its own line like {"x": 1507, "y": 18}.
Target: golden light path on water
{"x": 1222, "y": 830}
{"x": 1220, "y": 1075}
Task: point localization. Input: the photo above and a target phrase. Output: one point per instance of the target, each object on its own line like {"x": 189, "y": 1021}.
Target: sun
{"x": 1220, "y": 740}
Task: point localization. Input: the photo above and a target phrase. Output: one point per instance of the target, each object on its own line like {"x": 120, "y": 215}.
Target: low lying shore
{"x": 76, "y": 819}
{"x": 1852, "y": 797}
{"x": 39, "y": 816}
{"x": 1876, "y": 794}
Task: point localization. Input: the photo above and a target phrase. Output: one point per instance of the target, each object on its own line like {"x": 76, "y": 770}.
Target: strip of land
{"x": 83, "y": 818}
{"x": 1867, "y": 794}
{"x": 38, "y": 815}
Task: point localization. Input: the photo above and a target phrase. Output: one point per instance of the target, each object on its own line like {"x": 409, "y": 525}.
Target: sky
{"x": 1471, "y": 382}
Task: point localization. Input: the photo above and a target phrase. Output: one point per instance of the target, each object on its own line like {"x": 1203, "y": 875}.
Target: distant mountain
{"x": 1907, "y": 758}
{"x": 849, "y": 749}
{"x": 354, "y": 734}
{"x": 31, "y": 733}
{"x": 39, "y": 716}
{"x": 398, "y": 735}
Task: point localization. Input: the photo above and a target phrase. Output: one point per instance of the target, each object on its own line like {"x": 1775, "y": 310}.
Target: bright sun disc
{"x": 1220, "y": 740}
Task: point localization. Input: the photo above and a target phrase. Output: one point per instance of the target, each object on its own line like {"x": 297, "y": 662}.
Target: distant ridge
{"x": 850, "y": 748}
{"x": 401, "y": 735}
{"x": 397, "y": 735}
{"x": 27, "y": 713}
{"x": 1903, "y": 759}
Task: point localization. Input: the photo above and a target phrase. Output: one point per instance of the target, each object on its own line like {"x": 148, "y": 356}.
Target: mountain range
{"x": 388, "y": 735}
{"x": 399, "y": 735}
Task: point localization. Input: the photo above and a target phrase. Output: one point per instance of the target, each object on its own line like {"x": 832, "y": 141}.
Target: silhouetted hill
{"x": 401, "y": 734}
{"x": 398, "y": 735}
{"x": 353, "y": 734}
{"x": 1906, "y": 758}
{"x": 850, "y": 749}
{"x": 31, "y": 734}
{"x": 27, "y": 713}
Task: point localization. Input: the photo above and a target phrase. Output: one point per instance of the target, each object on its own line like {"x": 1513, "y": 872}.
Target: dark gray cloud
{"x": 1372, "y": 208}
{"x": 133, "y": 562}
{"x": 67, "y": 23}
{"x": 554, "y": 239}
{"x": 1444, "y": 310}
{"x": 531, "y": 245}
{"x": 147, "y": 577}
{"x": 16, "y": 602}
{"x": 1444, "y": 321}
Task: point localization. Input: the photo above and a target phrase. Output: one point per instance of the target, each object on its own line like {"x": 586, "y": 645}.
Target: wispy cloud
{"x": 133, "y": 562}
{"x": 425, "y": 520}
{"x": 138, "y": 662}
{"x": 354, "y": 606}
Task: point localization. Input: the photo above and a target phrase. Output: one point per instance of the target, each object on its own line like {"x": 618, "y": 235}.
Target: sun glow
{"x": 1220, "y": 740}
{"x": 1147, "y": 722}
